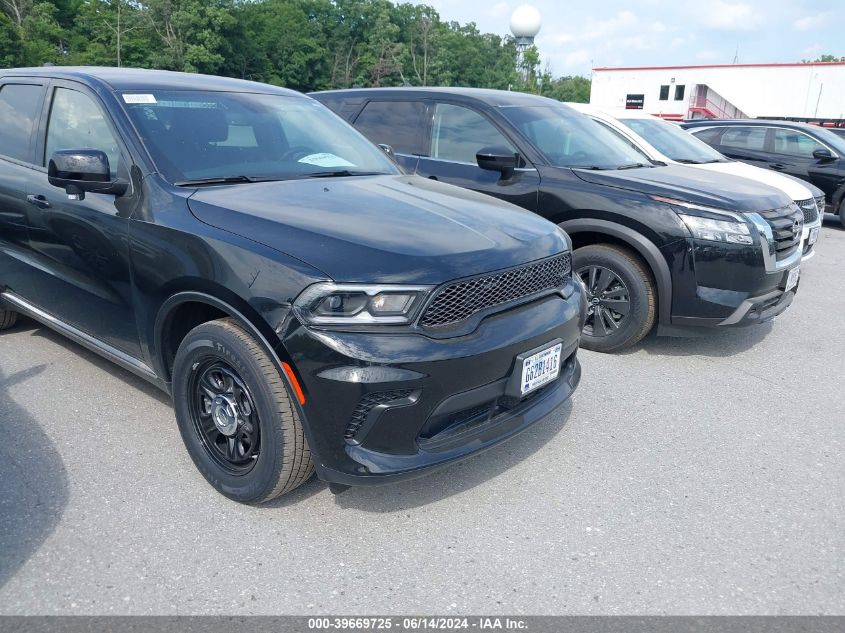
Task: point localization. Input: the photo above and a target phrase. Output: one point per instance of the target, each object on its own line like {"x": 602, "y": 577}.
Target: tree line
{"x": 300, "y": 44}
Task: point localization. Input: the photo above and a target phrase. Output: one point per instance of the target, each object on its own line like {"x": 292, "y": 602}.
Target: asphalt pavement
{"x": 689, "y": 476}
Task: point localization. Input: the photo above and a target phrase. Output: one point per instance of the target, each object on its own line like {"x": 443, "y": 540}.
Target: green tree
{"x": 11, "y": 49}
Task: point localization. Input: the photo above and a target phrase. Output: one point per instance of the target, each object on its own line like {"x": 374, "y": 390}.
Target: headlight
{"x": 720, "y": 226}
{"x": 717, "y": 230}
{"x": 356, "y": 304}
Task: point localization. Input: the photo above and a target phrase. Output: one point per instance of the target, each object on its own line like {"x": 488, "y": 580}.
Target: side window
{"x": 396, "y": 123}
{"x": 77, "y": 122}
{"x": 710, "y": 135}
{"x": 664, "y": 93}
{"x": 679, "y": 92}
{"x": 19, "y": 107}
{"x": 795, "y": 143}
{"x": 753, "y": 138}
{"x": 458, "y": 133}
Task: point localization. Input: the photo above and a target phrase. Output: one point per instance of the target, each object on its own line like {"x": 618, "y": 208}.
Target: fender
{"x": 201, "y": 297}
{"x": 644, "y": 247}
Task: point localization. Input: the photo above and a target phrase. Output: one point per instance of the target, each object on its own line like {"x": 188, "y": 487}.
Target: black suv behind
{"x": 306, "y": 304}
{"x": 686, "y": 247}
{"x": 809, "y": 152}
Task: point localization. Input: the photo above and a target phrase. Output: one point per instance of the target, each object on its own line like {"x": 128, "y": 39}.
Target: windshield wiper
{"x": 634, "y": 166}
{"x": 198, "y": 182}
{"x": 591, "y": 167}
{"x": 688, "y": 161}
{"x": 338, "y": 173}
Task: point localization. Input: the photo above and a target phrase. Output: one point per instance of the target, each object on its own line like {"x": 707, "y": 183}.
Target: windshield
{"x": 831, "y": 138}
{"x": 242, "y": 137}
{"x": 673, "y": 142}
{"x": 569, "y": 139}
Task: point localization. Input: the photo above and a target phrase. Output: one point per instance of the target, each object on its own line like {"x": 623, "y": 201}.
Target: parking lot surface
{"x": 689, "y": 476}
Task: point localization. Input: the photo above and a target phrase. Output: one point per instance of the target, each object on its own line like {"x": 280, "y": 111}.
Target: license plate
{"x": 814, "y": 235}
{"x": 792, "y": 279}
{"x": 540, "y": 369}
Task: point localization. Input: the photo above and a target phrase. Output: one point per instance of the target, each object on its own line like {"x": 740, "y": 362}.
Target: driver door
{"x": 457, "y": 133}
{"x": 81, "y": 247}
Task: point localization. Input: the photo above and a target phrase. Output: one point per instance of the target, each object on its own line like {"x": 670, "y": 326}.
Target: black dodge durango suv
{"x": 680, "y": 246}
{"x": 306, "y": 304}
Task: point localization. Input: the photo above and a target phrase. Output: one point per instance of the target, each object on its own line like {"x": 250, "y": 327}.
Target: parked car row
{"x": 312, "y": 302}
{"x": 809, "y": 152}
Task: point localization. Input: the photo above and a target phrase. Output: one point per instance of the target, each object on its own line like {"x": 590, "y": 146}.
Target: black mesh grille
{"x": 461, "y": 299}
{"x": 366, "y": 404}
{"x": 786, "y": 224}
{"x": 811, "y": 213}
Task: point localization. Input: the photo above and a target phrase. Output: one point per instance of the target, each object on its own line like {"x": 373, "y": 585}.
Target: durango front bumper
{"x": 387, "y": 406}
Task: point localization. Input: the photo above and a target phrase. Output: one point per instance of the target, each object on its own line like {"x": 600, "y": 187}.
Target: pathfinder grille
{"x": 811, "y": 212}
{"x": 461, "y": 299}
{"x": 787, "y": 224}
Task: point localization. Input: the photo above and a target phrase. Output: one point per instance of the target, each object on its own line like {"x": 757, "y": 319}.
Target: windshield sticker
{"x": 136, "y": 98}
{"x": 325, "y": 160}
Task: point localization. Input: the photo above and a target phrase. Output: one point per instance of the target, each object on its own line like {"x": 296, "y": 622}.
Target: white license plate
{"x": 814, "y": 235}
{"x": 540, "y": 368}
{"x": 792, "y": 279}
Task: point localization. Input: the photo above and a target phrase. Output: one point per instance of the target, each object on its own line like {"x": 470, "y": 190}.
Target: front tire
{"x": 620, "y": 296}
{"x": 235, "y": 415}
{"x": 7, "y": 319}
{"x": 842, "y": 214}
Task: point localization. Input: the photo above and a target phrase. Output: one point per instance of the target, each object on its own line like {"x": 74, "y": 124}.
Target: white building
{"x": 806, "y": 91}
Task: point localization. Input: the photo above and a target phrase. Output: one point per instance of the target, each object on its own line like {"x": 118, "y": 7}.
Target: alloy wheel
{"x": 608, "y": 300}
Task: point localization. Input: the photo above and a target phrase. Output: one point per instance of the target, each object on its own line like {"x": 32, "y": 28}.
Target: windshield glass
{"x": 195, "y": 135}
{"x": 569, "y": 139}
{"x": 671, "y": 141}
{"x": 832, "y": 139}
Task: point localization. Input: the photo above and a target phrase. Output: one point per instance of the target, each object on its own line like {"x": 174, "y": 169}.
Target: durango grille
{"x": 367, "y": 404}
{"x": 787, "y": 224}
{"x": 811, "y": 213}
{"x": 461, "y": 299}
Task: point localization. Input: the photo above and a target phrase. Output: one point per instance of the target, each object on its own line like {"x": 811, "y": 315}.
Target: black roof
{"x": 491, "y": 97}
{"x": 143, "y": 79}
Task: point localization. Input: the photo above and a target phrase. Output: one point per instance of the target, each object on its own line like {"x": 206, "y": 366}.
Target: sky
{"x": 579, "y": 35}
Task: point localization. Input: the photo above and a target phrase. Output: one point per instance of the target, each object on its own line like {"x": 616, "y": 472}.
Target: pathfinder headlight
{"x": 357, "y": 304}
{"x": 711, "y": 224}
{"x": 717, "y": 230}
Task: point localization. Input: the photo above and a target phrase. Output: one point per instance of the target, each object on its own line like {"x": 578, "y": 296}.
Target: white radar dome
{"x": 525, "y": 21}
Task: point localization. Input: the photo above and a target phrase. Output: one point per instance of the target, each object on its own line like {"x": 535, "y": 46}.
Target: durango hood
{"x": 698, "y": 186}
{"x": 387, "y": 229}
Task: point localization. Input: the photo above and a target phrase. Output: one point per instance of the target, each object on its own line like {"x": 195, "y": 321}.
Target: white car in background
{"x": 666, "y": 142}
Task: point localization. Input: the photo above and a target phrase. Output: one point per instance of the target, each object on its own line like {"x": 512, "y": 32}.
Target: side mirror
{"x": 498, "y": 159}
{"x": 80, "y": 170}
{"x": 823, "y": 154}
{"x": 387, "y": 150}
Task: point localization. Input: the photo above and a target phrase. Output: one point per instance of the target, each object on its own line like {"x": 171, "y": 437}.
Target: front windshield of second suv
{"x": 570, "y": 139}
{"x": 673, "y": 142}
{"x": 199, "y": 137}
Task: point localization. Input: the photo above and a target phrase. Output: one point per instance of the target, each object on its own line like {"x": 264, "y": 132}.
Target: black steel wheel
{"x": 236, "y": 417}
{"x": 224, "y": 415}
{"x": 621, "y": 302}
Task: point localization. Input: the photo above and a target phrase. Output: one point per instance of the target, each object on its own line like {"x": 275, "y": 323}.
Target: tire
{"x": 628, "y": 288}
{"x": 842, "y": 214}
{"x": 7, "y": 319}
{"x": 262, "y": 453}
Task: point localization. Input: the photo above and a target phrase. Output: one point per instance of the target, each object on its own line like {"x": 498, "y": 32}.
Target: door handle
{"x": 38, "y": 200}
{"x": 777, "y": 166}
